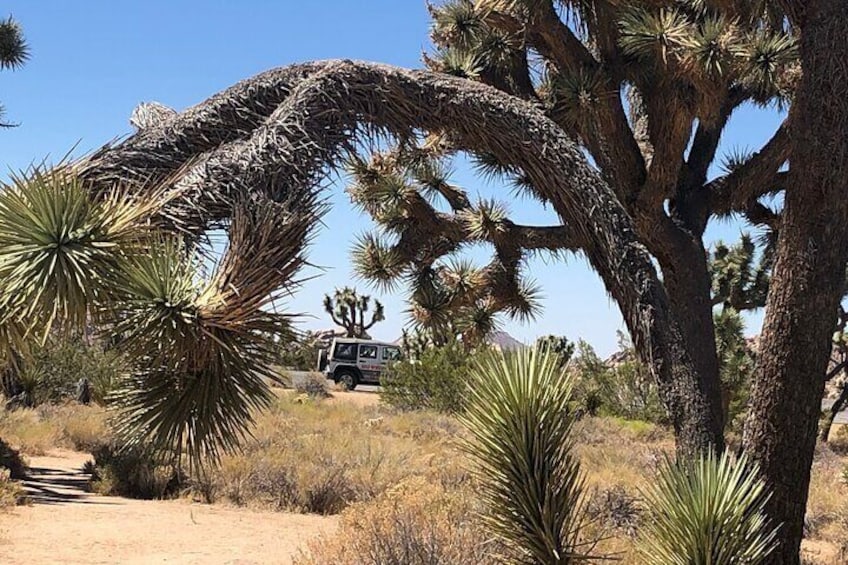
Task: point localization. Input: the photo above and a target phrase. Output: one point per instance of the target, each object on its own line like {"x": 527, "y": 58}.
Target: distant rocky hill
{"x": 505, "y": 342}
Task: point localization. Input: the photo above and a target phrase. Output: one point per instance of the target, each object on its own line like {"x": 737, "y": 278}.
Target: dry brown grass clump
{"x": 36, "y": 431}
{"x": 417, "y": 522}
{"x": 318, "y": 457}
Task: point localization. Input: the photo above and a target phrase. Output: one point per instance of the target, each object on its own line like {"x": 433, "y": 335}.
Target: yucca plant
{"x": 206, "y": 347}
{"x": 105, "y": 261}
{"x": 60, "y": 248}
{"x": 707, "y": 511}
{"x": 522, "y": 452}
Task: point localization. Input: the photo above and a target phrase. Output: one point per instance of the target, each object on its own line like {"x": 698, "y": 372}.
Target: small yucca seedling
{"x": 521, "y": 448}
{"x": 707, "y": 511}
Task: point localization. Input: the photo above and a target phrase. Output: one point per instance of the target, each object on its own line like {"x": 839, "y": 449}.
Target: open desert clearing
{"x": 65, "y": 524}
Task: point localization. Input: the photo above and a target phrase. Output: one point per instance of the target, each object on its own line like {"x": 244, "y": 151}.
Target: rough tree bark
{"x": 807, "y": 283}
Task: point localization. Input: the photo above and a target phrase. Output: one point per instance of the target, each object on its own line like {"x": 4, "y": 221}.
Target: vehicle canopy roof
{"x": 364, "y": 341}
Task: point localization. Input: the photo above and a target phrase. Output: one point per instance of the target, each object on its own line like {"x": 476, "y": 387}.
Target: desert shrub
{"x": 314, "y": 385}
{"x": 615, "y": 509}
{"x": 72, "y": 426}
{"x": 11, "y": 461}
{"x": 134, "y": 473}
{"x": 414, "y": 523}
{"x": 622, "y": 389}
{"x": 827, "y": 505}
{"x": 52, "y": 372}
{"x": 320, "y": 457}
{"x": 29, "y": 431}
{"x": 436, "y": 380}
{"x": 707, "y": 510}
{"x": 839, "y": 441}
{"x": 521, "y": 449}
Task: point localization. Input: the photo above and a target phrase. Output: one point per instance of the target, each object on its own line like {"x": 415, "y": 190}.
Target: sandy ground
{"x": 64, "y": 524}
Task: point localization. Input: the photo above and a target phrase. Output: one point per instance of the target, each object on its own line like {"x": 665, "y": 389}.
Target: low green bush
{"x": 53, "y": 372}
{"x": 624, "y": 389}
{"x": 436, "y": 380}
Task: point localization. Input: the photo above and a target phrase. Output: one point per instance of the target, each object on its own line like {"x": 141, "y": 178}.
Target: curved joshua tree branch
{"x": 236, "y": 142}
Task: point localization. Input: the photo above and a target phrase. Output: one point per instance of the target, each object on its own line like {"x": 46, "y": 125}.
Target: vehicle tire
{"x": 346, "y": 378}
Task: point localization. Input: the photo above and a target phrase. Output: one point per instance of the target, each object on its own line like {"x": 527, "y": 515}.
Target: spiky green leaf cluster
{"x": 201, "y": 345}
{"x": 402, "y": 190}
{"x": 521, "y": 448}
{"x": 740, "y": 278}
{"x": 468, "y": 47}
{"x": 60, "y": 250}
{"x": 707, "y": 510}
{"x": 710, "y": 51}
{"x": 14, "y": 51}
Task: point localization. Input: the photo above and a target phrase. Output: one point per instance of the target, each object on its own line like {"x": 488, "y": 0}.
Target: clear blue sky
{"x": 94, "y": 61}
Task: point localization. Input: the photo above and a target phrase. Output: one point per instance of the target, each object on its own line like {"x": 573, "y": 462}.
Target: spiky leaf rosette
{"x": 14, "y": 50}
{"x": 60, "y": 248}
{"x": 707, "y": 510}
{"x": 521, "y": 447}
{"x": 204, "y": 349}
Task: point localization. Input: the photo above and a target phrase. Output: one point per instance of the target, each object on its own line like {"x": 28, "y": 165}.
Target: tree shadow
{"x": 57, "y": 486}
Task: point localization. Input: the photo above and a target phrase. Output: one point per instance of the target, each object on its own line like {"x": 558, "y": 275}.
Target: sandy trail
{"x": 65, "y": 524}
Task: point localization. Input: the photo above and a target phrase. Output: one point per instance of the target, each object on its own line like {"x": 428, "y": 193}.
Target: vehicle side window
{"x": 367, "y": 351}
{"x": 345, "y": 351}
{"x": 391, "y": 354}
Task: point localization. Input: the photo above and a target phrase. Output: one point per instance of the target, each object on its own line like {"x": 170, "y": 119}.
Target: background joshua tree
{"x": 14, "y": 52}
{"x": 839, "y": 363}
{"x": 347, "y": 309}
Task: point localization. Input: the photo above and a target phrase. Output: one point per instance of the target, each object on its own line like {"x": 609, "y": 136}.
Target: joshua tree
{"x": 347, "y": 309}
{"x": 201, "y": 346}
{"x": 14, "y": 52}
{"x": 840, "y": 363}
{"x": 684, "y": 68}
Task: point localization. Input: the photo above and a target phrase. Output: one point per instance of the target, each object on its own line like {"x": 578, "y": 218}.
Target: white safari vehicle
{"x": 352, "y": 361}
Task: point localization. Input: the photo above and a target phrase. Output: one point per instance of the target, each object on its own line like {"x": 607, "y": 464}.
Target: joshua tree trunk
{"x": 688, "y": 287}
{"x": 808, "y": 276}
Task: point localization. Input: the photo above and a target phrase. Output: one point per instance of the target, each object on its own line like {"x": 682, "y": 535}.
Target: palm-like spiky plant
{"x": 60, "y": 249}
{"x": 705, "y": 511}
{"x": 522, "y": 451}
{"x": 201, "y": 347}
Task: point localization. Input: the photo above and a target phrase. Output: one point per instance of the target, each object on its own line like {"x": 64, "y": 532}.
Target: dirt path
{"x": 65, "y": 524}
